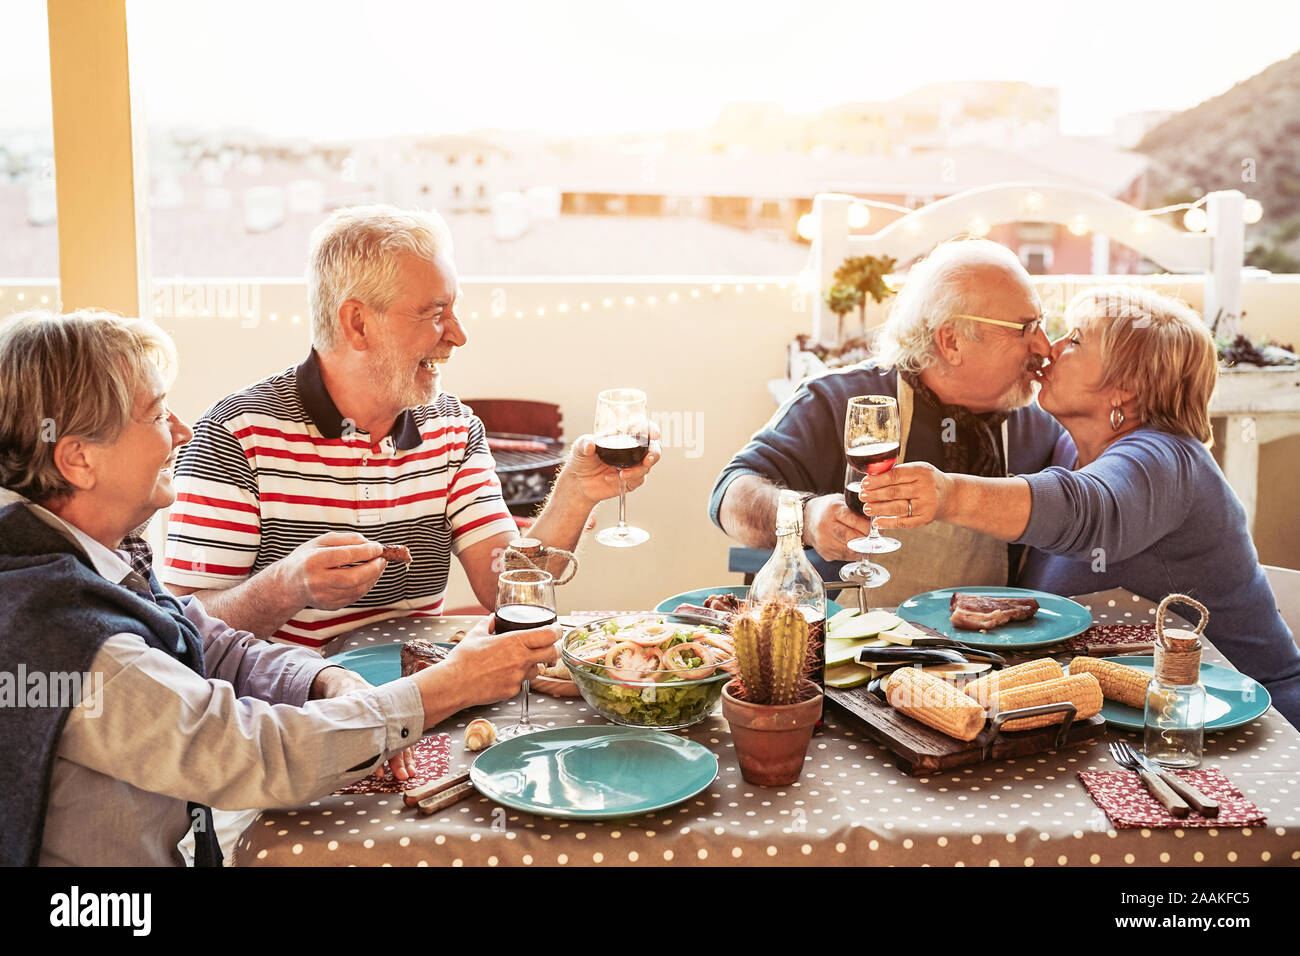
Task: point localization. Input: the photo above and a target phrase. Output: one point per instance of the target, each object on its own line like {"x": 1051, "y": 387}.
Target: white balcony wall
{"x": 703, "y": 358}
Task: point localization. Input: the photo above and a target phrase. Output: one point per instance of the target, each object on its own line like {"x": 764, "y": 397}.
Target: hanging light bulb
{"x": 979, "y": 226}
{"x": 1079, "y": 225}
{"x": 806, "y": 227}
{"x": 1195, "y": 219}
{"x": 859, "y": 216}
{"x": 1252, "y": 211}
{"x": 1034, "y": 203}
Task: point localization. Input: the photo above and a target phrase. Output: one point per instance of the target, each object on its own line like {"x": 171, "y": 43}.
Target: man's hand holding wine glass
{"x": 599, "y": 481}
{"x": 829, "y": 526}
{"x": 501, "y": 662}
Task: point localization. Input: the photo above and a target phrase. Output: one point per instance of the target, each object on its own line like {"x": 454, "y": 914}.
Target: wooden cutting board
{"x": 920, "y": 750}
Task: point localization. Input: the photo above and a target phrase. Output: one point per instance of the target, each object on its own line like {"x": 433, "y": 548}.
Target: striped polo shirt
{"x": 276, "y": 465}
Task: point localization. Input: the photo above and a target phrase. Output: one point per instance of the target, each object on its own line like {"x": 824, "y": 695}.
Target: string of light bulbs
{"x": 1195, "y": 219}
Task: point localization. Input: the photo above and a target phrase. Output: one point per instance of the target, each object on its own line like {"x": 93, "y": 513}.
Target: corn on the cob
{"x": 935, "y": 703}
{"x": 985, "y": 690}
{"x": 1082, "y": 690}
{"x": 1128, "y": 685}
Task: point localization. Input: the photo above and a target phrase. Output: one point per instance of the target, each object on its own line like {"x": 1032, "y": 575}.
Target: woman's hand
{"x": 918, "y": 484}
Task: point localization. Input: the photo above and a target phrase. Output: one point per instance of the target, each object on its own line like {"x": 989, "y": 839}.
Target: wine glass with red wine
{"x": 871, "y": 445}
{"x": 525, "y": 599}
{"x": 622, "y": 441}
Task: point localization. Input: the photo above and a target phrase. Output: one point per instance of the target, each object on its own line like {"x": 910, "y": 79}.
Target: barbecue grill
{"x": 526, "y": 476}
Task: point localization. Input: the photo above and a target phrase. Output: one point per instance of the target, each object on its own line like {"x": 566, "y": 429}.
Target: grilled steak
{"x": 396, "y": 553}
{"x": 417, "y": 655}
{"x": 973, "y": 612}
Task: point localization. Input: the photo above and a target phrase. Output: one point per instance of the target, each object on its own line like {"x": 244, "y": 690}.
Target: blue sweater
{"x": 802, "y": 447}
{"x": 1154, "y": 515}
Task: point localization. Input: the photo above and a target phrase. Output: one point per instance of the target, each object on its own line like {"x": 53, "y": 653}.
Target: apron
{"x": 937, "y": 555}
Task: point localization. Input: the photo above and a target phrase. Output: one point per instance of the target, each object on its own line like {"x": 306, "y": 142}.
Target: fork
{"x": 1123, "y": 755}
{"x": 1199, "y": 801}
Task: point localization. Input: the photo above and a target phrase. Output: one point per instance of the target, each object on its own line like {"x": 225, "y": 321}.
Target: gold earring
{"x": 1116, "y": 418}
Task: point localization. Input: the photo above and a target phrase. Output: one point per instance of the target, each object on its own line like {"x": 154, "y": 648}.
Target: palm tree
{"x": 866, "y": 276}
{"x": 842, "y": 299}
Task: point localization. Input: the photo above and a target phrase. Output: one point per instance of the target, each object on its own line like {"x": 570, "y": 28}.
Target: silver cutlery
{"x": 1199, "y": 801}
{"x": 1125, "y": 756}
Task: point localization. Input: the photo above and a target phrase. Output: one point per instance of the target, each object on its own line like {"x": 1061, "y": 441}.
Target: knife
{"x": 1199, "y": 801}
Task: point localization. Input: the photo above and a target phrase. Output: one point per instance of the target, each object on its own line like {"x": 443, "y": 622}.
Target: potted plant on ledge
{"x": 772, "y": 706}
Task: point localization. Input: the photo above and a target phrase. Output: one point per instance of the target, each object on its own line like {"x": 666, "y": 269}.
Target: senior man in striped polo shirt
{"x": 290, "y": 485}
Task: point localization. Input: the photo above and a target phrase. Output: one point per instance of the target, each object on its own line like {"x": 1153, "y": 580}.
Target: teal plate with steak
{"x": 593, "y": 773}
{"x": 741, "y": 591}
{"x": 379, "y": 664}
{"x": 1058, "y": 618}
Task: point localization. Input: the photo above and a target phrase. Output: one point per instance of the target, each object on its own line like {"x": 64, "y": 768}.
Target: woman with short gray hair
{"x": 162, "y": 709}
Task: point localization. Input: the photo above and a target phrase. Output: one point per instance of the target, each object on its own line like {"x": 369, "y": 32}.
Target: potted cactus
{"x": 772, "y": 706}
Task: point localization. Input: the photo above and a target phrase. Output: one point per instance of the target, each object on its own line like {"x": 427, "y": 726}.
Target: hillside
{"x": 1252, "y": 128}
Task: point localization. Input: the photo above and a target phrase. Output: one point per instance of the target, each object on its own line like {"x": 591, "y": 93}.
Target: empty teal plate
{"x": 593, "y": 773}
{"x": 1231, "y": 698}
{"x": 668, "y": 605}
{"x": 1058, "y": 618}
{"x": 378, "y": 664}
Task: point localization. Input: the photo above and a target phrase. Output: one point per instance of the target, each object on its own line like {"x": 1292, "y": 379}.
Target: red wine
{"x": 851, "y": 497}
{"x": 623, "y": 451}
{"x": 875, "y": 458}
{"x": 521, "y": 617}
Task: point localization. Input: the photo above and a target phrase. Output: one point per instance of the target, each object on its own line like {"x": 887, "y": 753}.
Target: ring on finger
{"x": 909, "y": 507}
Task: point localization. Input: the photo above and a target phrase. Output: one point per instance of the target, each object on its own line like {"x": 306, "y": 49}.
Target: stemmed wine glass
{"x": 622, "y": 441}
{"x": 525, "y": 599}
{"x": 871, "y": 443}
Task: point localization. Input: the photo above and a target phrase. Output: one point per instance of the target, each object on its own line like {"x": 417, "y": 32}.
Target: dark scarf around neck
{"x": 975, "y": 447}
{"x": 55, "y": 612}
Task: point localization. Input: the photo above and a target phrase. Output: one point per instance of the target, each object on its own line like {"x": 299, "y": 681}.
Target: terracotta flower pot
{"x": 771, "y": 740}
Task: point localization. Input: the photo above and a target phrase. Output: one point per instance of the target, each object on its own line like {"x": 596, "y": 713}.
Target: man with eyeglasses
{"x": 961, "y": 353}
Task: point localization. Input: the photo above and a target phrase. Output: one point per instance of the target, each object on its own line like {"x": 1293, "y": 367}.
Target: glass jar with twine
{"x": 1175, "y": 703}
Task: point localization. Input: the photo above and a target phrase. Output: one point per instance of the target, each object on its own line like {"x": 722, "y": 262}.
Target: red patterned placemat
{"x": 1126, "y": 802}
{"x": 432, "y": 760}
{"x": 1113, "y": 634}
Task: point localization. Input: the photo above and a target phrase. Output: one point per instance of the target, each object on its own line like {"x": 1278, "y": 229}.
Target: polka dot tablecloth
{"x": 850, "y": 806}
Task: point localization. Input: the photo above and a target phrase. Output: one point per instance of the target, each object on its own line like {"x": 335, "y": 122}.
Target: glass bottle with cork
{"x": 788, "y": 577}
{"x": 1175, "y": 702}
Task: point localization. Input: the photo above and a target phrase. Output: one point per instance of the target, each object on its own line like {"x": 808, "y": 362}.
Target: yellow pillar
{"x": 102, "y": 228}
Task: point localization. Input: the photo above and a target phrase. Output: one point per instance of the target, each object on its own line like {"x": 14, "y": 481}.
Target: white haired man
{"x": 960, "y": 352}
{"x": 161, "y": 704}
{"x": 289, "y": 483}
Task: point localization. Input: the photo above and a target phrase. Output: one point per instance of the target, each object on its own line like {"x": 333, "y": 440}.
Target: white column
{"x": 1227, "y": 256}
{"x": 1100, "y": 255}
{"x": 1241, "y": 462}
{"x": 830, "y": 248}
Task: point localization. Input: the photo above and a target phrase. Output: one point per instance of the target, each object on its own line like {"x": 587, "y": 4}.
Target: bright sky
{"x": 336, "y": 69}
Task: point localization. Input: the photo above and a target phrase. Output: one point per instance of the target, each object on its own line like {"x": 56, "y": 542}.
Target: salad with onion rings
{"x": 645, "y": 671}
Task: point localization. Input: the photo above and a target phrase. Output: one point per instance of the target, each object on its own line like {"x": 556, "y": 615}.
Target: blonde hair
{"x": 356, "y": 253}
{"x": 73, "y": 374}
{"x": 938, "y": 288}
{"x": 1157, "y": 348}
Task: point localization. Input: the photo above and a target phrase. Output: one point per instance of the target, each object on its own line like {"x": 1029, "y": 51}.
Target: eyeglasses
{"x": 1026, "y": 330}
